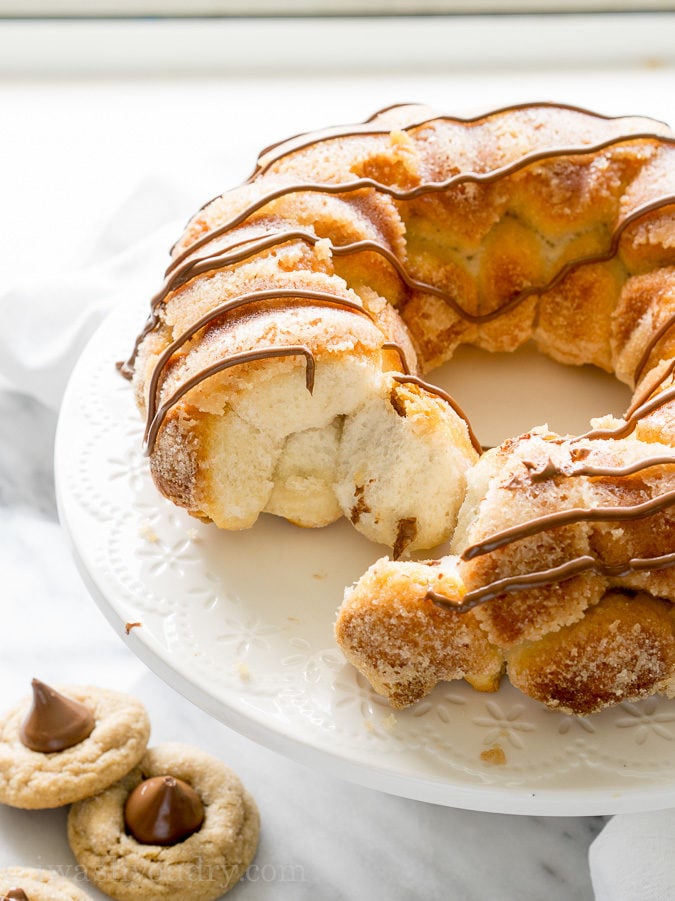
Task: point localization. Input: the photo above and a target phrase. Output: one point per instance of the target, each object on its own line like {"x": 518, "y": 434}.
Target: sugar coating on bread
{"x": 624, "y": 648}
{"x": 403, "y": 642}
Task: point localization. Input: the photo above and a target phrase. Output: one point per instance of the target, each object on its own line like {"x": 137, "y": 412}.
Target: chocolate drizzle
{"x": 434, "y": 389}
{"x": 54, "y": 721}
{"x": 619, "y": 471}
{"x": 182, "y": 269}
{"x": 403, "y": 194}
{"x": 188, "y": 264}
{"x": 542, "y": 472}
{"x": 556, "y": 574}
{"x": 631, "y": 421}
{"x": 578, "y": 565}
{"x": 391, "y": 345}
{"x": 550, "y": 470}
{"x": 349, "y": 131}
{"x": 220, "y": 260}
{"x": 644, "y": 395}
{"x": 15, "y": 894}
{"x": 568, "y": 517}
{"x": 651, "y": 345}
{"x": 186, "y": 269}
{"x": 264, "y": 353}
{"x": 294, "y": 295}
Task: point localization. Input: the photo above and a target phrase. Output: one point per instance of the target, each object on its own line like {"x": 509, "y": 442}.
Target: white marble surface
{"x": 73, "y": 150}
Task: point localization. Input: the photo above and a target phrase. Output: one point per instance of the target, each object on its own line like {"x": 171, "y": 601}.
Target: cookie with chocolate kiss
{"x": 61, "y": 745}
{"x": 180, "y": 825}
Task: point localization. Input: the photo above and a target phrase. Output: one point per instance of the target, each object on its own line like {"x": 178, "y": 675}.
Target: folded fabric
{"x": 46, "y": 323}
{"x": 633, "y": 858}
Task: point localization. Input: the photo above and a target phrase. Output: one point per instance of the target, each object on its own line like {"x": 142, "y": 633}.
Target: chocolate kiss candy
{"x": 54, "y": 722}
{"x": 163, "y": 810}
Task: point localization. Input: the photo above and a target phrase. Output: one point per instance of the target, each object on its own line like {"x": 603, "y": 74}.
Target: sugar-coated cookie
{"x": 38, "y": 885}
{"x": 67, "y": 744}
{"x": 202, "y": 866}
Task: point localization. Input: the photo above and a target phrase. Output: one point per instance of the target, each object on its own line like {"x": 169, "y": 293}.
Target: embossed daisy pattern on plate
{"x": 568, "y": 723}
{"x": 647, "y": 721}
{"x": 359, "y": 711}
{"x": 445, "y": 709}
{"x": 242, "y": 623}
{"x": 246, "y": 634}
{"x": 505, "y": 723}
{"x": 130, "y": 466}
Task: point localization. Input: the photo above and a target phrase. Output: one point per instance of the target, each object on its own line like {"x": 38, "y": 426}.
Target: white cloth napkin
{"x": 633, "y": 858}
{"x": 46, "y": 325}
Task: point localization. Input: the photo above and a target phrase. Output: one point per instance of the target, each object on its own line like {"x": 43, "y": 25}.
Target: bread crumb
{"x": 369, "y": 725}
{"x": 129, "y": 626}
{"x": 146, "y": 532}
{"x": 388, "y": 722}
{"x": 493, "y": 756}
{"x": 323, "y": 250}
{"x": 192, "y": 534}
{"x": 243, "y": 671}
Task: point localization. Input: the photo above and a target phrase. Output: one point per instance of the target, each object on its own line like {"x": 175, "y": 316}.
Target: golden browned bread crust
{"x": 403, "y": 642}
{"x": 279, "y": 370}
{"x": 623, "y": 648}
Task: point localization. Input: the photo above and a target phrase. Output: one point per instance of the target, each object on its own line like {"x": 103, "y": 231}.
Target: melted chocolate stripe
{"x": 645, "y": 395}
{"x": 416, "y": 284}
{"x": 421, "y": 189}
{"x": 631, "y": 422}
{"x": 540, "y": 578}
{"x": 213, "y": 262}
{"x": 235, "y": 360}
{"x": 392, "y": 345}
{"x": 524, "y": 105}
{"x": 217, "y": 259}
{"x": 362, "y": 129}
{"x": 568, "y": 517}
{"x": 224, "y": 258}
{"x": 647, "y": 352}
{"x": 221, "y": 260}
{"x": 635, "y": 412}
{"x": 520, "y": 296}
{"x": 627, "y": 470}
{"x": 294, "y": 294}
{"x": 551, "y": 471}
{"x": 434, "y": 389}
{"x": 443, "y": 186}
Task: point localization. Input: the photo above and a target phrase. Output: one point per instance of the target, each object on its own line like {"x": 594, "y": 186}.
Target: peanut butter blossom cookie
{"x": 180, "y": 825}
{"x": 62, "y": 746}
{"x": 24, "y": 884}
